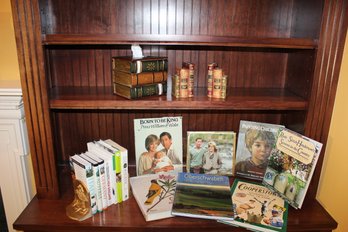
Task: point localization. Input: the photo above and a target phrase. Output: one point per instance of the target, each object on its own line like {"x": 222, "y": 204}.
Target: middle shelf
{"x": 237, "y": 99}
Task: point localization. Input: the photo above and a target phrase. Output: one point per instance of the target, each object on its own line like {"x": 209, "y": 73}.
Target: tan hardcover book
{"x": 133, "y": 79}
{"x": 224, "y": 86}
{"x": 211, "y": 67}
{"x": 184, "y": 79}
{"x": 176, "y": 86}
{"x": 191, "y": 67}
{"x": 217, "y": 76}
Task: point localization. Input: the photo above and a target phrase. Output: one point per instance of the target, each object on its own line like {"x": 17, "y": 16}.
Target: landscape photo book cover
{"x": 203, "y": 196}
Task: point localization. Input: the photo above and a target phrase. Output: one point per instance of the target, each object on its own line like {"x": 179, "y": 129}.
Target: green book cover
{"x": 257, "y": 208}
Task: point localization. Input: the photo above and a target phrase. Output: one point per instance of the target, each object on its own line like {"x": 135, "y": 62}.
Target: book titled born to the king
{"x": 203, "y": 196}
{"x": 291, "y": 166}
{"x": 154, "y": 194}
{"x": 257, "y": 208}
{"x": 158, "y": 135}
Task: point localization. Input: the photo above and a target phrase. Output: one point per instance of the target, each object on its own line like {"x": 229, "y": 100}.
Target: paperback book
{"x": 291, "y": 166}
{"x": 255, "y": 142}
{"x": 257, "y": 208}
{"x": 203, "y": 196}
{"x": 210, "y": 152}
{"x": 154, "y": 194}
{"x": 158, "y": 145}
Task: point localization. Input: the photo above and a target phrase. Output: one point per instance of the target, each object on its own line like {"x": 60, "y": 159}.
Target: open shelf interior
{"x": 282, "y": 59}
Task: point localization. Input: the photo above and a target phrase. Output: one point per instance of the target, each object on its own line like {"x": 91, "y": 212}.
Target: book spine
{"x": 133, "y": 79}
{"x": 211, "y": 67}
{"x": 223, "y": 86}
{"x": 183, "y": 83}
{"x": 86, "y": 175}
{"x": 140, "y": 91}
{"x": 124, "y": 175}
{"x": 97, "y": 186}
{"x": 108, "y": 156}
{"x": 217, "y": 76}
{"x": 140, "y": 66}
{"x": 191, "y": 67}
{"x": 103, "y": 185}
{"x": 176, "y": 86}
{"x": 118, "y": 164}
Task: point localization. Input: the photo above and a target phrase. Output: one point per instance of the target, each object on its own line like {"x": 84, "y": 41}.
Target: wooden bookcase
{"x": 282, "y": 59}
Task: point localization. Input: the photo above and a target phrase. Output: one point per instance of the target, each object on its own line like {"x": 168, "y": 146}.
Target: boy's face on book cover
{"x": 260, "y": 150}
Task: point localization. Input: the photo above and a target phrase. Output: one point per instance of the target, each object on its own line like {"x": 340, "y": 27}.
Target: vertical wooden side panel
{"x": 327, "y": 67}
{"x": 26, "y": 18}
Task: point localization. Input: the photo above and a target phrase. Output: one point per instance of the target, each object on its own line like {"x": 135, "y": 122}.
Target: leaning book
{"x": 255, "y": 142}
{"x": 210, "y": 152}
{"x": 154, "y": 194}
{"x": 203, "y": 196}
{"x": 291, "y": 166}
{"x": 257, "y": 208}
{"x": 158, "y": 145}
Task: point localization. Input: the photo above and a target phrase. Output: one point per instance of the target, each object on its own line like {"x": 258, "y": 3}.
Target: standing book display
{"x": 158, "y": 145}
{"x": 255, "y": 142}
{"x": 291, "y": 166}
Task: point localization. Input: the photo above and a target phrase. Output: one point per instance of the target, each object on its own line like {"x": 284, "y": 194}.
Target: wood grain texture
{"x": 282, "y": 59}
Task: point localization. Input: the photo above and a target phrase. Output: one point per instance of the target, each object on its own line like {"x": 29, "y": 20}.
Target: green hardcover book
{"x": 134, "y": 79}
{"x": 146, "y": 64}
{"x": 140, "y": 91}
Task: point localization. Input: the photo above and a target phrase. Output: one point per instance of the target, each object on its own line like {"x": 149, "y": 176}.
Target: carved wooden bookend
{"x": 80, "y": 208}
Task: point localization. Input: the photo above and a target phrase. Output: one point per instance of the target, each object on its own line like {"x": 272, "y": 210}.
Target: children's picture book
{"x": 210, "y": 152}
{"x": 154, "y": 194}
{"x": 158, "y": 145}
{"x": 291, "y": 166}
{"x": 255, "y": 142}
{"x": 203, "y": 196}
{"x": 257, "y": 208}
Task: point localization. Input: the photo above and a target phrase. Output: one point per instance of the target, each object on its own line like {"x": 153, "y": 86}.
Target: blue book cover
{"x": 203, "y": 196}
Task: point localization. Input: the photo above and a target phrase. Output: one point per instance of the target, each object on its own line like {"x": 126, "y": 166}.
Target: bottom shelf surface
{"x": 49, "y": 215}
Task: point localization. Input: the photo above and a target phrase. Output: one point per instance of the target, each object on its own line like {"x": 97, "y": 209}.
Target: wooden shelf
{"x": 49, "y": 215}
{"x": 177, "y": 40}
{"x": 238, "y": 99}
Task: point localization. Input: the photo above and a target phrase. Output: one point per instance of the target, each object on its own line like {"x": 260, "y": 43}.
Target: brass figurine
{"x": 80, "y": 208}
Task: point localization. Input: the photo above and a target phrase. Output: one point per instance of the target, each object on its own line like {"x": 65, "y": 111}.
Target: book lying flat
{"x": 257, "y": 208}
{"x": 203, "y": 196}
{"x": 154, "y": 194}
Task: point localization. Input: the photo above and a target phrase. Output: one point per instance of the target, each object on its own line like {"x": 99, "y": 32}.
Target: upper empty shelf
{"x": 164, "y": 39}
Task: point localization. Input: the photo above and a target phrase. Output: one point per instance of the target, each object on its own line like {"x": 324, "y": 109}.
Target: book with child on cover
{"x": 255, "y": 142}
{"x": 257, "y": 208}
{"x": 291, "y": 166}
{"x": 158, "y": 145}
{"x": 203, "y": 196}
{"x": 154, "y": 194}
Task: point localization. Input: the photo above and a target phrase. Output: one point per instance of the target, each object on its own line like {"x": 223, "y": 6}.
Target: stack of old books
{"x": 136, "y": 78}
{"x": 216, "y": 82}
{"x": 183, "y": 81}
